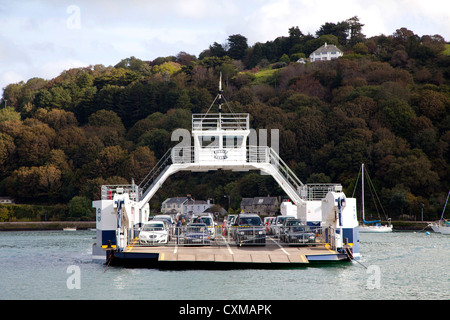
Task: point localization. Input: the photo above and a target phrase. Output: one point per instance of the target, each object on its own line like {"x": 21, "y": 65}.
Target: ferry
{"x": 224, "y": 141}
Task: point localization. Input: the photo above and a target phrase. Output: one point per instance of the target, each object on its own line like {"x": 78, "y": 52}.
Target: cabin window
{"x": 209, "y": 141}
{"x": 232, "y": 142}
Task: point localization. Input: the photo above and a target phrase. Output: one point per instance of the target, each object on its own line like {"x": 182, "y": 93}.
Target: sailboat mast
{"x": 443, "y": 211}
{"x": 362, "y": 195}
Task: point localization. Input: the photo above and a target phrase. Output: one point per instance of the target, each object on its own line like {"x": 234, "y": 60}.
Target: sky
{"x": 42, "y": 38}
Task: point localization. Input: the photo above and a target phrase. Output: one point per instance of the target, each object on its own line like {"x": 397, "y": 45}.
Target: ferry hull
{"x": 218, "y": 257}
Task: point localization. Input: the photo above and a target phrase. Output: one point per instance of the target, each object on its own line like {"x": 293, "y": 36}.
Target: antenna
{"x": 220, "y": 93}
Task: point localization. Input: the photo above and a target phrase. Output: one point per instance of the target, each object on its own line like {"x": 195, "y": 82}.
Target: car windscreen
{"x": 153, "y": 227}
{"x": 195, "y": 229}
{"x": 249, "y": 221}
{"x": 206, "y": 220}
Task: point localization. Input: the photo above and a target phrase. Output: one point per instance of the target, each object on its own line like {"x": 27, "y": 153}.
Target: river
{"x": 57, "y": 265}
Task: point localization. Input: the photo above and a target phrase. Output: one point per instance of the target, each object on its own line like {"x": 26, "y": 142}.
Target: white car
{"x": 154, "y": 232}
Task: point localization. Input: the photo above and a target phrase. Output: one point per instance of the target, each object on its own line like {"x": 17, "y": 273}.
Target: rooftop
{"x": 327, "y": 48}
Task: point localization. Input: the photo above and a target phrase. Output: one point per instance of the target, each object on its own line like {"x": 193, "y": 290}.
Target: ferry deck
{"x": 224, "y": 253}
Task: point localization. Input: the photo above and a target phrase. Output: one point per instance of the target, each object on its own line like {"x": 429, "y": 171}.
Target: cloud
{"x": 51, "y": 69}
{"x": 37, "y": 36}
{"x": 10, "y": 76}
{"x": 274, "y": 18}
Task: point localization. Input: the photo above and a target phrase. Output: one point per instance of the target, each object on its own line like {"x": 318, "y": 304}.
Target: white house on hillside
{"x": 325, "y": 53}
{"x": 184, "y": 206}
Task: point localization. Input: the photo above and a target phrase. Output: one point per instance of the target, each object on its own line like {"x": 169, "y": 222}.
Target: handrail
{"x": 210, "y": 121}
{"x": 288, "y": 173}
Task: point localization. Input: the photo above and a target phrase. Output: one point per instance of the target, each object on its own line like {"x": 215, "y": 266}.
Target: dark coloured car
{"x": 249, "y": 230}
{"x": 297, "y": 233}
{"x": 286, "y": 226}
{"x": 197, "y": 234}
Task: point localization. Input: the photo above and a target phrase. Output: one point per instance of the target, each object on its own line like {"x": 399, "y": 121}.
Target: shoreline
{"x": 46, "y": 225}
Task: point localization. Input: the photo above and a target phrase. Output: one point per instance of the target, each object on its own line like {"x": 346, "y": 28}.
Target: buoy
{"x": 427, "y": 232}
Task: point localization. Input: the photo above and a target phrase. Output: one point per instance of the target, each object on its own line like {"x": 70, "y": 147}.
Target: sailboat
{"x": 375, "y": 225}
{"x": 443, "y": 226}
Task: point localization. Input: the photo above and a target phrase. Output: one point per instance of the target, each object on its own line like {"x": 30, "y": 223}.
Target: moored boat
{"x": 443, "y": 225}
{"x": 371, "y": 226}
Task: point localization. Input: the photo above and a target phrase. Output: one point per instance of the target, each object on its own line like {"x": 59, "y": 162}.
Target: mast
{"x": 220, "y": 101}
{"x": 362, "y": 194}
{"x": 443, "y": 211}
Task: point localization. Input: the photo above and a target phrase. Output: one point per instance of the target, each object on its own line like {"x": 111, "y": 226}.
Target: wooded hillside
{"x": 386, "y": 103}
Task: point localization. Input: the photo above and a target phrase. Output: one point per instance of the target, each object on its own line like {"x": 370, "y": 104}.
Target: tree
{"x": 340, "y": 30}
{"x": 135, "y": 64}
{"x": 7, "y": 150}
{"x": 107, "y": 118}
{"x": 34, "y": 143}
{"x": 56, "y": 118}
{"x": 80, "y": 208}
{"x": 414, "y": 171}
{"x": 237, "y": 46}
{"x": 398, "y": 113}
{"x": 360, "y": 48}
{"x": 139, "y": 163}
{"x": 432, "y": 104}
{"x": 355, "y": 30}
{"x": 216, "y": 50}
{"x": 9, "y": 114}
{"x": 37, "y": 184}
{"x": 111, "y": 162}
{"x": 295, "y": 36}
{"x": 157, "y": 140}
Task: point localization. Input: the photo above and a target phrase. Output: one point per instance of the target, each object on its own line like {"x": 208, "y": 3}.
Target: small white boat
{"x": 371, "y": 226}
{"x": 375, "y": 228}
{"x": 442, "y": 226}
{"x": 70, "y": 229}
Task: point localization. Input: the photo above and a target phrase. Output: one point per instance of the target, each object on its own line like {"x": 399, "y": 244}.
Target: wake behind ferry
{"x": 322, "y": 228}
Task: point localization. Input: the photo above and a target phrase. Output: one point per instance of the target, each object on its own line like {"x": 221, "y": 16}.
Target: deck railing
{"x": 219, "y": 235}
{"x": 108, "y": 191}
{"x": 225, "y": 121}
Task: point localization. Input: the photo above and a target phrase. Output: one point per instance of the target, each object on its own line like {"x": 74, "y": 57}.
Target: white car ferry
{"x": 221, "y": 142}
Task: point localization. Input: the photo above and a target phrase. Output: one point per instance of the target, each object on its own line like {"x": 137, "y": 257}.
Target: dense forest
{"x": 386, "y": 103}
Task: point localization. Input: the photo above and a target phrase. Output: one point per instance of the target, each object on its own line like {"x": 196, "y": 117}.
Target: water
{"x": 401, "y": 265}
